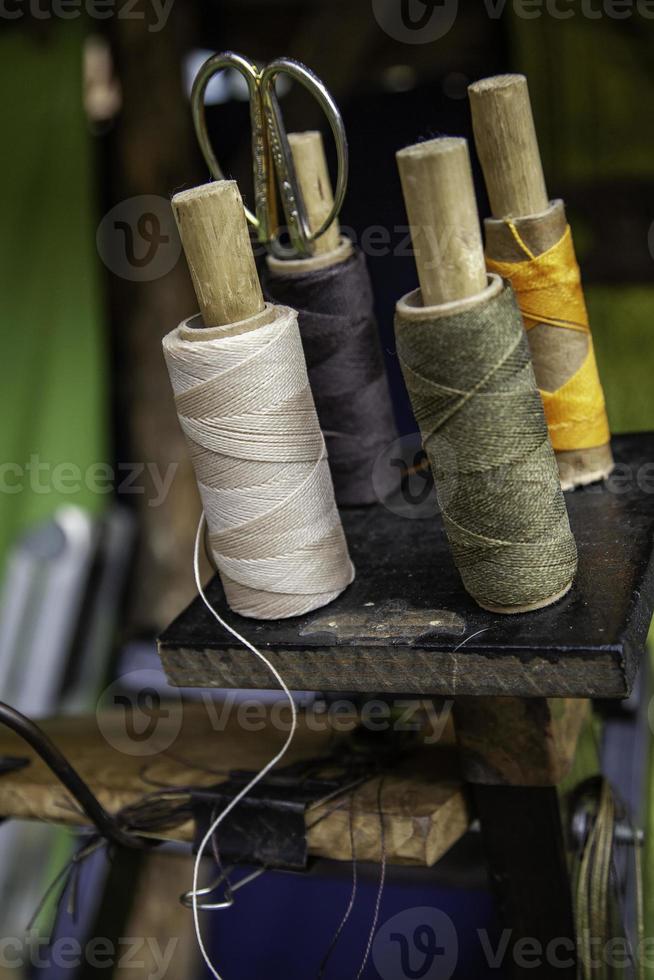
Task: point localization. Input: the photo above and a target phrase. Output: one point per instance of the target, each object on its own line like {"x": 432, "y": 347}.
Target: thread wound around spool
{"x": 346, "y": 372}
{"x": 474, "y": 395}
{"x": 244, "y": 403}
{"x": 535, "y": 253}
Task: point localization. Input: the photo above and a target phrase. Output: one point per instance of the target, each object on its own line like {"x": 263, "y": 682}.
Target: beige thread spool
{"x": 440, "y": 200}
{"x": 214, "y": 234}
{"x": 507, "y": 145}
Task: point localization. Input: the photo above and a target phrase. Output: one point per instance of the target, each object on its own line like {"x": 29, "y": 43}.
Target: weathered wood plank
{"x": 423, "y": 801}
{"x": 518, "y": 742}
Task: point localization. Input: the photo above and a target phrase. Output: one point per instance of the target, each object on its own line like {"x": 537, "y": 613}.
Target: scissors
{"x": 275, "y": 178}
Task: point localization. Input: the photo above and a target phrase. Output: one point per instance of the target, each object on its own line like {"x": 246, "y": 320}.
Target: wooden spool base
{"x": 580, "y": 467}
{"x": 194, "y": 329}
{"x": 411, "y": 306}
{"x": 300, "y": 267}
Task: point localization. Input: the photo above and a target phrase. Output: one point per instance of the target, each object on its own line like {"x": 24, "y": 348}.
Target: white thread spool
{"x": 245, "y": 405}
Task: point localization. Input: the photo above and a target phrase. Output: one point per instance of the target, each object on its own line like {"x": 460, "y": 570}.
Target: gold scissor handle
{"x": 274, "y": 171}
{"x": 261, "y": 159}
{"x": 302, "y": 239}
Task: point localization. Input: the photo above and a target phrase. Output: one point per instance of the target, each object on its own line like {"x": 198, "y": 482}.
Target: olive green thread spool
{"x": 467, "y": 367}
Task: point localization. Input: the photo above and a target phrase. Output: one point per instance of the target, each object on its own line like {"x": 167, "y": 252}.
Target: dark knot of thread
{"x": 346, "y": 372}
{"x": 474, "y": 395}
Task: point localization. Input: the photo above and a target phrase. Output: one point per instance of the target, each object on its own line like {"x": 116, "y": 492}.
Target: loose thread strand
{"x": 351, "y": 901}
{"x": 382, "y": 880}
{"x": 260, "y": 775}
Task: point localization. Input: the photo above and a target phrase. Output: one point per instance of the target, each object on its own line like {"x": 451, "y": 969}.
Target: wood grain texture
{"x": 507, "y": 145}
{"x": 518, "y": 742}
{"x": 423, "y": 802}
{"x": 310, "y": 164}
{"x": 588, "y": 645}
{"x": 440, "y": 201}
{"x": 316, "y": 187}
{"x": 216, "y": 241}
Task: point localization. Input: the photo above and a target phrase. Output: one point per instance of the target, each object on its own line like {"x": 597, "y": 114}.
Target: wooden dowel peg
{"x": 315, "y": 183}
{"x": 507, "y": 145}
{"x": 440, "y": 201}
{"x": 216, "y": 242}
{"x": 313, "y": 177}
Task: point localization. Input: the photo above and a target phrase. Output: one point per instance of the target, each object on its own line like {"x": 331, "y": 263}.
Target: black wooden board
{"x": 406, "y": 625}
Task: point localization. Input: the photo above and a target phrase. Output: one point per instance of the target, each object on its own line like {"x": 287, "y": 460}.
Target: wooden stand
{"x": 515, "y": 754}
{"x": 507, "y": 145}
{"x": 519, "y": 684}
{"x": 422, "y": 635}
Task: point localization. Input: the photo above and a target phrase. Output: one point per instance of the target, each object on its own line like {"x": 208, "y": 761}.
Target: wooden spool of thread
{"x": 526, "y": 221}
{"x": 332, "y": 292}
{"x": 477, "y": 404}
{"x": 244, "y": 402}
